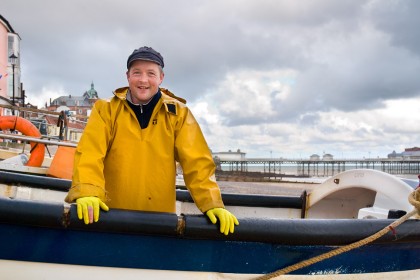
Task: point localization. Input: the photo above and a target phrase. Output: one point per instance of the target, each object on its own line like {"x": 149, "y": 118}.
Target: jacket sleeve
{"x": 197, "y": 163}
{"x": 88, "y": 176}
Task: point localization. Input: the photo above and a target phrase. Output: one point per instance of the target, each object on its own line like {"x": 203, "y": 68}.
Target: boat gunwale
{"x": 302, "y": 232}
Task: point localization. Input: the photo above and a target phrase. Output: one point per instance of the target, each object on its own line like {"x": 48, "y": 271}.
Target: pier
{"x": 319, "y": 168}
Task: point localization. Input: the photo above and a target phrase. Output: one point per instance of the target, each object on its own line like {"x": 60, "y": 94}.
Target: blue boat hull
{"x": 168, "y": 253}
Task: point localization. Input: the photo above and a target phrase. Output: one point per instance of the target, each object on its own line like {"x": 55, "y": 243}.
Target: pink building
{"x": 10, "y": 91}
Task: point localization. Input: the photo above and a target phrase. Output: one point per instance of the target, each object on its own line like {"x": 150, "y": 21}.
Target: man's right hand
{"x": 227, "y": 219}
{"x": 88, "y": 208}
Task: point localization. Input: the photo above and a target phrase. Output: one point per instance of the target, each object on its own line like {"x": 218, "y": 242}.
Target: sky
{"x": 273, "y": 78}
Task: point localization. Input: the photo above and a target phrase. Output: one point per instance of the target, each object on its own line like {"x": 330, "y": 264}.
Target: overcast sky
{"x": 271, "y": 78}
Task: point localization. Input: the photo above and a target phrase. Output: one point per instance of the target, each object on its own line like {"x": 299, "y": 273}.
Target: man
{"x": 126, "y": 156}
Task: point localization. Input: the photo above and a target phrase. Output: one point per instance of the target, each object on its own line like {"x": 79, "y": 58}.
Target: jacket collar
{"x": 121, "y": 93}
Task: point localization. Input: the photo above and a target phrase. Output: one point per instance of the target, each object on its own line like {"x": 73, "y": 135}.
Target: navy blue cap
{"x": 145, "y": 53}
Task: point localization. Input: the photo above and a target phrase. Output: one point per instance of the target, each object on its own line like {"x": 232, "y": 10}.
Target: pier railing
{"x": 304, "y": 168}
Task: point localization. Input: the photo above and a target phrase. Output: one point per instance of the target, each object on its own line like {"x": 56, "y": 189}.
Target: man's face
{"x": 144, "y": 78}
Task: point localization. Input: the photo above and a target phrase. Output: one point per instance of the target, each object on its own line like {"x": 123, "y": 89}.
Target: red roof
{"x": 414, "y": 149}
{"x": 75, "y": 125}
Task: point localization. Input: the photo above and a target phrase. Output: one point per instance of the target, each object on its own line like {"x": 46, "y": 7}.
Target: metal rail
{"x": 37, "y": 140}
{"x": 39, "y": 111}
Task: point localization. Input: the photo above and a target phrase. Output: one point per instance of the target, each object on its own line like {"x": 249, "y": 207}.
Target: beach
{"x": 266, "y": 188}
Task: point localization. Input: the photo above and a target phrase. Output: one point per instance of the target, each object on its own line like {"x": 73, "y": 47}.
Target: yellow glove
{"x": 227, "y": 219}
{"x": 88, "y": 208}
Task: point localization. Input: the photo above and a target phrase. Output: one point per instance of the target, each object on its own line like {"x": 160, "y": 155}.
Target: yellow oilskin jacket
{"x": 132, "y": 168}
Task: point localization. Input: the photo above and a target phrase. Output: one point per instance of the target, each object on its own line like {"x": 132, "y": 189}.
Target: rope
{"x": 413, "y": 198}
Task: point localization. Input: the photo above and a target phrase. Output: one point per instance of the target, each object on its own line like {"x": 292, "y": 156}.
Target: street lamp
{"x": 13, "y": 60}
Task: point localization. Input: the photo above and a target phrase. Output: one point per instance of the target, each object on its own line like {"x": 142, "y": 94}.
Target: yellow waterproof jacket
{"x": 133, "y": 168}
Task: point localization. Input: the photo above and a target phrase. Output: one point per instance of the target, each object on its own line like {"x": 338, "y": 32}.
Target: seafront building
{"x": 75, "y": 105}
{"x": 10, "y": 86}
{"x": 74, "y": 113}
{"x": 63, "y": 125}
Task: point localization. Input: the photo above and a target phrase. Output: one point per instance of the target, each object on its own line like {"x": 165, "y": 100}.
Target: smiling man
{"x": 126, "y": 156}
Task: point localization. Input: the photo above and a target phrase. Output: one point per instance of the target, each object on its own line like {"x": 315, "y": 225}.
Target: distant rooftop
{"x": 82, "y": 101}
{"x": 92, "y": 93}
{"x": 7, "y": 24}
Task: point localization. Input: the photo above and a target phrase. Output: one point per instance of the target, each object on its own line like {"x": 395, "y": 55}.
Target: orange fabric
{"x": 62, "y": 163}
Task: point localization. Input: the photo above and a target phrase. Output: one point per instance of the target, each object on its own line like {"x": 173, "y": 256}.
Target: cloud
{"x": 280, "y": 78}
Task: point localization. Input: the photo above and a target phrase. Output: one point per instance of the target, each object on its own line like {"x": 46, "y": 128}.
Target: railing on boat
{"x": 37, "y": 140}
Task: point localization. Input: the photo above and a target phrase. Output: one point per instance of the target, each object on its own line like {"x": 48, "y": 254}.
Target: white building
{"x": 411, "y": 153}
{"x": 229, "y": 155}
{"x": 327, "y": 157}
{"x": 314, "y": 157}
